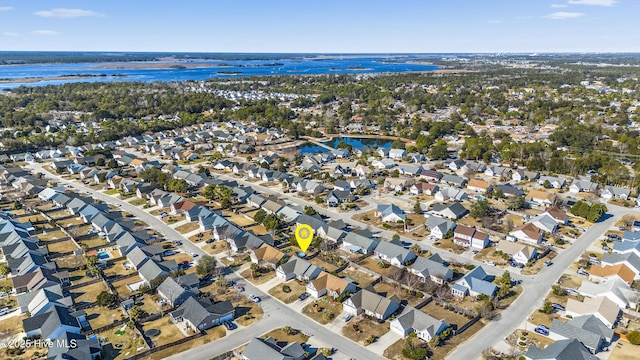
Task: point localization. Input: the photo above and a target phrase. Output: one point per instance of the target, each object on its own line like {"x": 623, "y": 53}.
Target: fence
{"x": 464, "y": 327}
{"x": 165, "y": 346}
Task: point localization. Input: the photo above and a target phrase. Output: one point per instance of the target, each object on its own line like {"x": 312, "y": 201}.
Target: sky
{"x": 326, "y": 26}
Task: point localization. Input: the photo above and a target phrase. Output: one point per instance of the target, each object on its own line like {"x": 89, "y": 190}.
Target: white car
{"x": 255, "y": 299}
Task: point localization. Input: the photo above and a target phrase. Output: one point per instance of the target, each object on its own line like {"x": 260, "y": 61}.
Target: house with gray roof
{"x": 583, "y": 186}
{"x": 298, "y": 268}
{"x": 390, "y": 213}
{"x": 424, "y": 325}
{"x": 630, "y": 259}
{"x": 71, "y": 346}
{"x": 269, "y": 349}
{"x": 474, "y": 283}
{"x": 41, "y": 300}
{"x": 371, "y": 303}
{"x": 454, "y": 180}
{"x": 174, "y": 293}
{"x": 588, "y": 329}
{"x": 359, "y": 244}
{"x": 554, "y": 182}
{"x": 617, "y": 192}
{"x": 152, "y": 269}
{"x": 203, "y": 314}
{"x": 393, "y": 253}
{"x": 431, "y": 268}
{"x": 545, "y": 222}
{"x": 570, "y": 349}
{"x": 438, "y": 226}
{"x": 51, "y": 324}
{"x": 450, "y": 211}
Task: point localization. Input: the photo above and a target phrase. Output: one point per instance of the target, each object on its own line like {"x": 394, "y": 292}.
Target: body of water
{"x": 355, "y": 142}
{"x": 107, "y": 72}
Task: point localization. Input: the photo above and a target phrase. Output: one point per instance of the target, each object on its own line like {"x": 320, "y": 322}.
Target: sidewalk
{"x": 384, "y": 342}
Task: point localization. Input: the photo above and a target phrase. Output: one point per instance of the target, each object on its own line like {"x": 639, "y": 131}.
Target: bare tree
{"x": 628, "y": 220}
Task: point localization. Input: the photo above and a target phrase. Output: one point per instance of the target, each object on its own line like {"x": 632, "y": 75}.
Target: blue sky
{"x": 326, "y": 26}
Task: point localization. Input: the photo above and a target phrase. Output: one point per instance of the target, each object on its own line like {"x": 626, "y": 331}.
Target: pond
{"x": 356, "y": 142}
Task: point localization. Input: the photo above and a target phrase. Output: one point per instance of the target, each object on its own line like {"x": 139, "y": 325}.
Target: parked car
{"x": 557, "y": 306}
{"x": 548, "y": 263}
{"x": 606, "y": 248}
{"x": 255, "y": 299}
{"x": 543, "y": 326}
{"x": 582, "y": 272}
{"x": 194, "y": 255}
{"x": 238, "y": 287}
{"x": 347, "y": 317}
{"x": 303, "y": 296}
{"x": 209, "y": 241}
{"x": 230, "y": 325}
{"x": 541, "y": 331}
{"x": 571, "y": 291}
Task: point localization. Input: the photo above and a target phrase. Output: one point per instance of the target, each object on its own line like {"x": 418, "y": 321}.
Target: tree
{"x": 479, "y": 209}
{"x": 259, "y": 216}
{"x": 634, "y": 337}
{"x": 177, "y": 185}
{"x": 416, "y": 249}
{"x": 254, "y": 269}
{"x": 153, "y": 175}
{"x": 206, "y": 265}
{"x": 439, "y": 151}
{"x": 136, "y": 313}
{"x": 505, "y": 280}
{"x": 4, "y": 269}
{"x": 112, "y": 164}
{"x": 100, "y": 161}
{"x": 209, "y": 191}
{"x": 397, "y": 144}
{"x": 628, "y": 220}
{"x": 516, "y": 202}
{"x": 417, "y": 208}
{"x": 547, "y": 308}
{"x": 272, "y": 222}
{"x": 309, "y": 210}
{"x": 106, "y": 299}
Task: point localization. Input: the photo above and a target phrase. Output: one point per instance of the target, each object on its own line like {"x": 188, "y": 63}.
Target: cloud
{"x": 10, "y": 34}
{"x": 45, "y": 32}
{"x": 5, "y": 8}
{"x": 562, "y": 15}
{"x": 64, "y": 13}
{"x": 593, "y": 2}
{"x": 559, "y": 6}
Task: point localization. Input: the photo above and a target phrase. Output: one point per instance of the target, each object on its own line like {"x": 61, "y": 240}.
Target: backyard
{"x": 296, "y": 288}
{"x": 360, "y": 278}
{"x": 324, "y": 310}
{"x": 363, "y": 330}
{"x": 168, "y": 331}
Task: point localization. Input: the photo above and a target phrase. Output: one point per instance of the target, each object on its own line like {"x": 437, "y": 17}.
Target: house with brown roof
{"x": 598, "y": 273}
{"x": 182, "y": 206}
{"x": 267, "y": 254}
{"x": 557, "y": 214}
{"x": 470, "y": 237}
{"x": 478, "y": 185}
{"x": 527, "y": 233}
{"x": 541, "y": 198}
{"x": 601, "y": 307}
{"x": 328, "y": 284}
{"x": 423, "y": 188}
{"x": 520, "y": 253}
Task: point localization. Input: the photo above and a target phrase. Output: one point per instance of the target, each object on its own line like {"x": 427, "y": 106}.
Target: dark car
{"x": 303, "y": 296}
{"x": 230, "y": 325}
{"x": 541, "y": 331}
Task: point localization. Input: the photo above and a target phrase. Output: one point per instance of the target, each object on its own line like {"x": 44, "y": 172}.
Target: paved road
{"x": 277, "y": 315}
{"x": 153, "y": 221}
{"x": 535, "y": 290}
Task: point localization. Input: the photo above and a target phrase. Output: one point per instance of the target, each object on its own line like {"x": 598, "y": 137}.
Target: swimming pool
{"x": 103, "y": 255}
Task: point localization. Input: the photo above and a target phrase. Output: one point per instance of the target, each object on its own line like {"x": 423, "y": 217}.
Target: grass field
{"x": 297, "y": 288}
{"x": 361, "y": 329}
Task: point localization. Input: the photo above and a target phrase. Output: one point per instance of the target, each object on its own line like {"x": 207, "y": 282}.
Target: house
{"x": 527, "y": 233}
{"x": 452, "y": 211}
{"x": 423, "y": 188}
{"x": 583, "y": 186}
{"x": 329, "y": 284}
{"x": 474, "y": 283}
{"x": 524, "y": 175}
{"x": 383, "y": 164}
{"x": 498, "y": 171}
{"x": 41, "y": 300}
{"x": 509, "y": 190}
{"x": 551, "y": 181}
{"x": 454, "y": 180}
{"x": 631, "y": 260}
{"x": 557, "y": 214}
{"x": 456, "y": 164}
{"x": 75, "y": 346}
{"x": 432, "y": 175}
{"x": 173, "y": 292}
{"x": 298, "y": 268}
{"x": 359, "y": 244}
{"x": 542, "y": 198}
{"x": 438, "y": 226}
{"x": 372, "y": 304}
{"x": 569, "y": 349}
{"x": 393, "y": 253}
{"x": 202, "y": 314}
{"x": 470, "y": 237}
{"x": 397, "y": 154}
{"x": 390, "y": 213}
{"x": 479, "y": 185}
{"x": 600, "y": 307}
{"x": 520, "y": 253}
{"x": 341, "y": 185}
{"x": 449, "y": 193}
{"x": 587, "y": 329}
{"x": 431, "y": 268}
{"x": 545, "y": 222}
{"x": 269, "y": 349}
{"x": 413, "y": 320}
{"x": 473, "y": 167}
{"x": 616, "y": 192}
{"x": 615, "y": 289}
{"x": 337, "y": 197}
{"x": 409, "y": 170}
{"x": 598, "y": 273}
{"x": 267, "y": 254}
{"x": 397, "y": 184}
{"x": 51, "y": 324}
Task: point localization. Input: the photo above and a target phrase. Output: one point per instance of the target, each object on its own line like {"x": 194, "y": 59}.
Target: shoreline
{"x": 53, "y": 78}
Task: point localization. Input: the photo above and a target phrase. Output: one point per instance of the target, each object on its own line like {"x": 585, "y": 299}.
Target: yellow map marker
{"x": 304, "y": 235}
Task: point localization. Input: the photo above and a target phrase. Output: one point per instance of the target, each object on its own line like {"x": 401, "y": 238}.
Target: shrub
{"x": 286, "y": 288}
{"x": 634, "y": 337}
{"x": 371, "y": 339}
